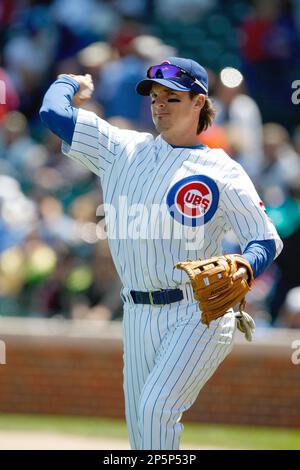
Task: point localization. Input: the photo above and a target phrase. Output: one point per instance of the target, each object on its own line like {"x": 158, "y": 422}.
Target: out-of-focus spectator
{"x": 238, "y": 111}
{"x": 28, "y": 54}
{"x": 137, "y": 9}
{"x": 286, "y": 217}
{"x": 18, "y": 214}
{"x": 189, "y": 10}
{"x": 93, "y": 58}
{"x": 116, "y": 88}
{"x": 269, "y": 48}
{"x": 81, "y": 22}
{"x": 7, "y": 10}
{"x": 55, "y": 224}
{"x": 281, "y": 164}
{"x": 9, "y": 99}
{"x": 118, "y": 78}
{"x": 216, "y": 137}
{"x": 22, "y": 154}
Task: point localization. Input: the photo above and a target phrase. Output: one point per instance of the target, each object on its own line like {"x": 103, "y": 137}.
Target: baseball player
{"x": 168, "y": 199}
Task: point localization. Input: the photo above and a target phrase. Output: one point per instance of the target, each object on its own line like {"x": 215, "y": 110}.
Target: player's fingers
{"x": 89, "y": 81}
{"x": 241, "y": 273}
{"x": 88, "y": 78}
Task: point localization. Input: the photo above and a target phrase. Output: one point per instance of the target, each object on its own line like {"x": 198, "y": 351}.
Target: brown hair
{"x": 207, "y": 114}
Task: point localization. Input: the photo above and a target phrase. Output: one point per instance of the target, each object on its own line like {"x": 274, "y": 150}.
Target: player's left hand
{"x": 219, "y": 283}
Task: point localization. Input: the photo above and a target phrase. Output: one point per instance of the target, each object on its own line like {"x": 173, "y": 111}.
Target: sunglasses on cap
{"x": 168, "y": 71}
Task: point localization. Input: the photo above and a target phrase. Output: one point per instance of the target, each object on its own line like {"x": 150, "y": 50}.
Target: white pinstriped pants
{"x": 168, "y": 357}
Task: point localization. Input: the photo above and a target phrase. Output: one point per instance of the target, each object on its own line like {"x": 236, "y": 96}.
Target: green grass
{"x": 84, "y": 426}
{"x": 242, "y": 437}
{"x": 206, "y": 435}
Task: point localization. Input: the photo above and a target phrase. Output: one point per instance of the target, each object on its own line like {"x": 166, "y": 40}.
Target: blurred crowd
{"x": 53, "y": 260}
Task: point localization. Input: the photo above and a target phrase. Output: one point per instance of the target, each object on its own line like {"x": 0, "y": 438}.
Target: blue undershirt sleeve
{"x": 260, "y": 254}
{"x": 57, "y": 112}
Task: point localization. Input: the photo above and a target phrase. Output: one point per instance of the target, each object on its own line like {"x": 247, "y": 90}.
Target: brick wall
{"x": 63, "y": 367}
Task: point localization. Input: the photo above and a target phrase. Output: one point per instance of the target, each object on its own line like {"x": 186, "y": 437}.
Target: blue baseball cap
{"x": 178, "y": 74}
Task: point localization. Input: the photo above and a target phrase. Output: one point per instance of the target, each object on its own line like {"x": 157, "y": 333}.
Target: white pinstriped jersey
{"x": 136, "y": 169}
{"x": 197, "y": 194}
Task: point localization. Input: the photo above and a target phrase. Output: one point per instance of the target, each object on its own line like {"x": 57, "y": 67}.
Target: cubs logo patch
{"x": 193, "y": 200}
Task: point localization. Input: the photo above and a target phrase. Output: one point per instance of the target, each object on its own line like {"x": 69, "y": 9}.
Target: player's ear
{"x": 199, "y": 101}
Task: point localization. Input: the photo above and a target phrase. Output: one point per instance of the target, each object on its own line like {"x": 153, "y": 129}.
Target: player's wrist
{"x": 66, "y": 79}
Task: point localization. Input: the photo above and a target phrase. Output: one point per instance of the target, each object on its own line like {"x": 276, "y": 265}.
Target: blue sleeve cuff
{"x": 68, "y": 81}
{"x": 57, "y": 111}
{"x": 260, "y": 254}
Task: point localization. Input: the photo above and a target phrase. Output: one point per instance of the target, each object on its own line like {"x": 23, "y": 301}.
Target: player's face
{"x": 173, "y": 111}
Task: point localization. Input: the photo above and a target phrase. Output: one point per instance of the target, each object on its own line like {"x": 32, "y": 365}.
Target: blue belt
{"x": 157, "y": 297}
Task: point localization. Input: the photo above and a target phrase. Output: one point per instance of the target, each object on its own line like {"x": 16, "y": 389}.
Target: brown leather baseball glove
{"x": 213, "y": 284}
